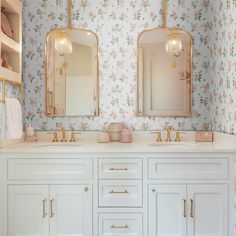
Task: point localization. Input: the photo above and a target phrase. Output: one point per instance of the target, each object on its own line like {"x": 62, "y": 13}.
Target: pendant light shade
{"x": 63, "y": 43}
{"x": 174, "y": 44}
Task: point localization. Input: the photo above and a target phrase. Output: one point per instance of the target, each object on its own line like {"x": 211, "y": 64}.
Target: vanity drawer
{"x": 50, "y": 169}
{"x": 118, "y": 193}
{"x": 120, "y": 169}
{"x": 188, "y": 168}
{"x": 120, "y": 224}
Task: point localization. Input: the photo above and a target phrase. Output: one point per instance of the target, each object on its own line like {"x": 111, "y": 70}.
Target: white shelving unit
{"x": 12, "y": 46}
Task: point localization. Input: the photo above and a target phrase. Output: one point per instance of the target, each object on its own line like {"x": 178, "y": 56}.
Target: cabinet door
{"x": 208, "y": 210}
{"x": 70, "y": 210}
{"x": 167, "y": 210}
{"x": 27, "y": 210}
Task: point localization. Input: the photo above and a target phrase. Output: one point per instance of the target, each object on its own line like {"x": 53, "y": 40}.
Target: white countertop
{"x": 142, "y": 144}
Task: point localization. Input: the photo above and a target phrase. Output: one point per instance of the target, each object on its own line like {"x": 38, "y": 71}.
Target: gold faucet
{"x": 63, "y": 135}
{"x": 168, "y": 131}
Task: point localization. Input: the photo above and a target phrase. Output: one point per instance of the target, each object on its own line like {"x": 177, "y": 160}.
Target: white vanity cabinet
{"x": 28, "y": 210}
{"x": 116, "y": 194}
{"x": 49, "y": 210}
{"x": 193, "y": 210}
{"x": 166, "y": 207}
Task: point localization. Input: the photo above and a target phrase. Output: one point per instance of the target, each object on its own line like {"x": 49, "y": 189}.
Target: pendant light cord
{"x": 164, "y": 13}
{"x": 69, "y": 14}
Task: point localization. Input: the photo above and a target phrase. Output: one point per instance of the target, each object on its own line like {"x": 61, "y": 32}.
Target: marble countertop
{"x": 144, "y": 142}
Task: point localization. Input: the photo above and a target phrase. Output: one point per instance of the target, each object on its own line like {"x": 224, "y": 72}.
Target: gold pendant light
{"x": 173, "y": 42}
{"x": 63, "y": 44}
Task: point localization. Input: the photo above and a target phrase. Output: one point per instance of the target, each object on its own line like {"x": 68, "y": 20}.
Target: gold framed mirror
{"x": 164, "y": 72}
{"x": 71, "y": 65}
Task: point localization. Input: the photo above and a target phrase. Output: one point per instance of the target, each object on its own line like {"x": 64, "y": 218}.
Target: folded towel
{"x": 13, "y": 119}
{"x": 3, "y": 125}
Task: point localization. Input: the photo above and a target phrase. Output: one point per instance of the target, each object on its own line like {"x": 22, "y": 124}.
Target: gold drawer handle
{"x": 117, "y": 192}
{"x": 119, "y": 227}
{"x": 44, "y": 208}
{"x": 119, "y": 169}
{"x": 184, "y": 214}
{"x": 51, "y": 208}
{"x": 191, "y": 208}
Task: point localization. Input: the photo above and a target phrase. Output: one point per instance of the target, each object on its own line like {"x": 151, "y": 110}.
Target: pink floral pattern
{"x": 118, "y": 24}
{"x": 222, "y": 66}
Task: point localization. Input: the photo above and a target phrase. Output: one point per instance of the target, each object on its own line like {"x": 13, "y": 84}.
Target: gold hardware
{"x": 164, "y": 13}
{"x": 119, "y": 169}
{"x": 63, "y": 135}
{"x": 184, "y": 214}
{"x": 177, "y": 138}
{"x": 159, "y": 139}
{"x": 69, "y": 14}
{"x": 51, "y": 208}
{"x": 119, "y": 227}
{"x": 168, "y": 130}
{"x": 86, "y": 189}
{"x": 44, "y": 208}
{"x": 55, "y": 138}
{"x": 115, "y": 192}
{"x": 72, "y": 136}
{"x": 191, "y": 211}
{"x": 153, "y": 190}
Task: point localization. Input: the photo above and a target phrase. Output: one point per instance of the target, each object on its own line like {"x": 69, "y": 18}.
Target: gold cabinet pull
{"x": 191, "y": 208}
{"x": 86, "y": 189}
{"x": 51, "y": 208}
{"x": 184, "y": 214}
{"x": 119, "y": 169}
{"x": 119, "y": 227}
{"x": 44, "y": 208}
{"x": 117, "y": 192}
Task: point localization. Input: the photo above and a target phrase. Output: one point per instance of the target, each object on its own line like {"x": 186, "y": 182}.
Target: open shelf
{"x": 10, "y": 43}
{"x": 10, "y": 76}
{"x": 12, "y": 47}
{"x": 12, "y": 6}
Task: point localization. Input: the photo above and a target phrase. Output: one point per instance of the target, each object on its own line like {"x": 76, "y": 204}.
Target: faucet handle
{"x": 169, "y": 128}
{"x": 72, "y": 136}
{"x": 177, "y": 137}
{"x": 55, "y": 136}
{"x": 159, "y": 139}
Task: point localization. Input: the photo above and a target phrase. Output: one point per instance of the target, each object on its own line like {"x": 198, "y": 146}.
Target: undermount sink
{"x": 173, "y": 145}
{"x": 57, "y": 145}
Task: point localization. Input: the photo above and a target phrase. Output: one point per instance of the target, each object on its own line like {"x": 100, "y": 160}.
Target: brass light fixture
{"x": 173, "y": 42}
{"x": 63, "y": 44}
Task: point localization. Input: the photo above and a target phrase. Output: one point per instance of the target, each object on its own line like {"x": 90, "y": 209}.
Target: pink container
{"x": 126, "y": 136}
{"x": 114, "y": 131}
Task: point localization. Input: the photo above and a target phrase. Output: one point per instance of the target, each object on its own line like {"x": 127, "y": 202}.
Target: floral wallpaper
{"x": 222, "y": 66}
{"x": 118, "y": 24}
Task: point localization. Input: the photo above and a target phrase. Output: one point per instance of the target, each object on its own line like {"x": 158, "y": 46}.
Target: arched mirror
{"x": 71, "y": 72}
{"x": 164, "y": 72}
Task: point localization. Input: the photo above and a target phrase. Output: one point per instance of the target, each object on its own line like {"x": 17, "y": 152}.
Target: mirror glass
{"x": 164, "y": 73}
{"x": 71, "y": 73}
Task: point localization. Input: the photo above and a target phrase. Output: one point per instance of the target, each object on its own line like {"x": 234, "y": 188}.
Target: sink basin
{"x": 173, "y": 145}
{"x": 57, "y": 145}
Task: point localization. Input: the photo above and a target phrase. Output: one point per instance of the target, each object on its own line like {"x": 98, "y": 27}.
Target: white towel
{"x": 14, "y": 119}
{"x": 3, "y": 125}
